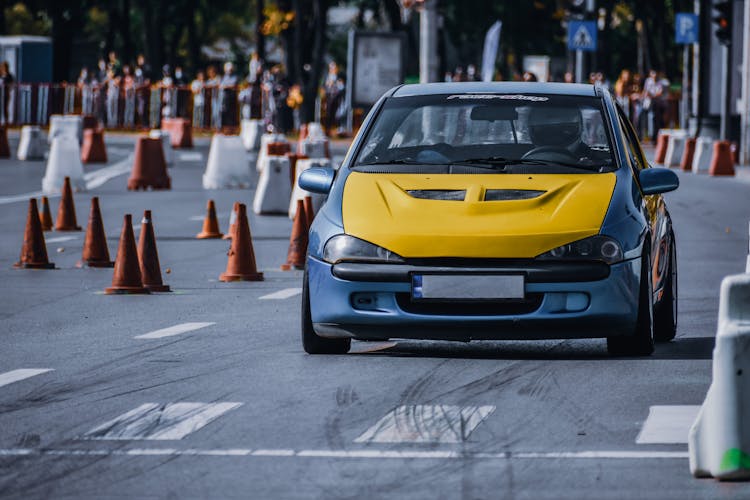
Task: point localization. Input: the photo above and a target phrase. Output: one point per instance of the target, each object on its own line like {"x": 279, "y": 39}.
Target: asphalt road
{"x": 229, "y": 406}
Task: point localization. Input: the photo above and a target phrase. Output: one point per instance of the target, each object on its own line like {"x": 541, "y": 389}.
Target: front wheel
{"x": 311, "y": 342}
{"x": 642, "y": 343}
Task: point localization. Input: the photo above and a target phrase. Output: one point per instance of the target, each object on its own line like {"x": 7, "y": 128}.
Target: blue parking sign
{"x": 582, "y": 35}
{"x": 686, "y": 28}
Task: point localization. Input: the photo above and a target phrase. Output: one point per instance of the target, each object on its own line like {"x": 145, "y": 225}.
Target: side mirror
{"x": 317, "y": 179}
{"x": 658, "y": 180}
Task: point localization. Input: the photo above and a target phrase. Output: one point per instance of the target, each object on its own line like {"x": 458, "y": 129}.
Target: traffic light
{"x": 723, "y": 21}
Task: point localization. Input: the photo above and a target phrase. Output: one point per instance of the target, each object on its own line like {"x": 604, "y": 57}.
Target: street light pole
{"x": 428, "y": 63}
{"x": 745, "y": 112}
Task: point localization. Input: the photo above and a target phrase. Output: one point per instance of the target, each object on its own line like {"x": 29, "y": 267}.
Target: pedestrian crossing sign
{"x": 582, "y": 35}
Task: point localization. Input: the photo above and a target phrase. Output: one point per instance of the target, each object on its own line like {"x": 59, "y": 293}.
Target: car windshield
{"x": 480, "y": 133}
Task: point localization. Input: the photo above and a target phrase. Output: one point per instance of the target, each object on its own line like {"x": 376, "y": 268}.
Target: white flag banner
{"x": 489, "y": 55}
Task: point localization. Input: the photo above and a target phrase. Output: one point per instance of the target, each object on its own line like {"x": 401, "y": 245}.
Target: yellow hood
{"x": 377, "y": 208}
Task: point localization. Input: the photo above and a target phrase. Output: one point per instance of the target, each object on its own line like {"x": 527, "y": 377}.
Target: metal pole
{"x": 725, "y": 96}
{"x": 685, "y": 83}
{"x": 428, "y": 63}
{"x": 579, "y": 66}
{"x": 745, "y": 112}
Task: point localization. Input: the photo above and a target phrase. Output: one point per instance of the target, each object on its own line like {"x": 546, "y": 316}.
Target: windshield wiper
{"x": 397, "y": 161}
{"x": 499, "y": 163}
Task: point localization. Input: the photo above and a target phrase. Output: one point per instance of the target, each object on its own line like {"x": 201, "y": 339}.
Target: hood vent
{"x": 438, "y": 194}
{"x": 511, "y": 194}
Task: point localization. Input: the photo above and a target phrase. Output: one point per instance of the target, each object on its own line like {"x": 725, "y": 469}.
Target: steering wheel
{"x": 554, "y": 153}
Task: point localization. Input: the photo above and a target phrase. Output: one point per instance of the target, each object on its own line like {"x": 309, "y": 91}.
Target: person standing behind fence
{"x": 199, "y": 99}
{"x": 654, "y": 102}
{"x": 6, "y": 84}
{"x": 112, "y": 97}
{"x": 128, "y": 86}
{"x": 228, "y": 96}
{"x": 212, "y": 88}
{"x": 331, "y": 89}
{"x": 167, "y": 99}
{"x": 623, "y": 86}
{"x": 87, "y": 96}
{"x": 142, "y": 80}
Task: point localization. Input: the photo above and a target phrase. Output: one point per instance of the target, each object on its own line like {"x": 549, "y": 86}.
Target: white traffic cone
{"x": 298, "y": 193}
{"x": 265, "y": 140}
{"x": 166, "y": 144}
{"x": 315, "y": 131}
{"x": 273, "y": 191}
{"x": 31, "y": 146}
{"x": 227, "y": 165}
{"x": 64, "y": 161}
{"x": 314, "y": 148}
{"x": 65, "y": 125}
{"x": 251, "y": 132}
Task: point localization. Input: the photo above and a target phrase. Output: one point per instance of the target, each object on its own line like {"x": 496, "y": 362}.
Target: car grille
{"x": 494, "y": 308}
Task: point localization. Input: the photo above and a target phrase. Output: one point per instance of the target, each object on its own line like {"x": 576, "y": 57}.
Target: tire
{"x": 642, "y": 342}
{"x": 665, "y": 311}
{"x": 311, "y": 342}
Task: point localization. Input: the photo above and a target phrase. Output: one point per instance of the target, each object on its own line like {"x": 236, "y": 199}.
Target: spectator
{"x": 199, "y": 99}
{"x": 623, "y": 87}
{"x": 228, "y": 96}
{"x": 142, "y": 71}
{"x": 655, "y": 102}
{"x": 528, "y": 76}
{"x": 568, "y": 77}
{"x": 255, "y": 68}
{"x": 112, "y": 85}
{"x": 179, "y": 77}
{"x": 6, "y": 82}
{"x": 333, "y": 96}
{"x": 471, "y": 73}
{"x": 114, "y": 63}
{"x": 128, "y": 86}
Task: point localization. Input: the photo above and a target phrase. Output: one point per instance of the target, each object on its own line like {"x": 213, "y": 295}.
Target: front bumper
{"x": 370, "y": 305}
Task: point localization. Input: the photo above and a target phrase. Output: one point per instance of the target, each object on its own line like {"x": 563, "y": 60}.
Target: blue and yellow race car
{"x": 491, "y": 211}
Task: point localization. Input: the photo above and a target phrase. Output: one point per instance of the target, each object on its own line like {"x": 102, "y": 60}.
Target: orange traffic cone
{"x": 95, "y": 251}
{"x": 45, "y": 216}
{"x": 241, "y": 263}
{"x": 721, "y": 161}
{"x": 93, "y": 149}
{"x": 297, "y": 253}
{"x": 34, "y": 249}
{"x": 149, "y": 257}
{"x": 210, "y": 223}
{"x": 662, "y": 140}
{"x": 232, "y": 221}
{"x": 127, "y": 275}
{"x": 4, "y": 148}
{"x": 149, "y": 166}
{"x": 66, "y": 211}
{"x": 309, "y": 211}
{"x": 686, "y": 163}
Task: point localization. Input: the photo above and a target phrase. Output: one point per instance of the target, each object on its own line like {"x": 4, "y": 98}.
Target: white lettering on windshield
{"x": 510, "y": 97}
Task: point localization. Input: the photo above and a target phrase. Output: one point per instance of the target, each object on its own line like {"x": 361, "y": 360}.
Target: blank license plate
{"x": 466, "y": 287}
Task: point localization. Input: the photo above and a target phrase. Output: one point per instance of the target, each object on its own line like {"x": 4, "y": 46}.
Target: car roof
{"x": 575, "y": 89}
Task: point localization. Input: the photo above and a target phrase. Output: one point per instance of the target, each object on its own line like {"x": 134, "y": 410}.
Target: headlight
{"x": 597, "y": 247}
{"x": 348, "y": 248}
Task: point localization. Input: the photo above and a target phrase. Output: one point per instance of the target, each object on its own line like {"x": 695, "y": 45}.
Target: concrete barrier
{"x": 227, "y": 165}
{"x": 298, "y": 193}
{"x": 675, "y": 148}
{"x": 265, "y": 140}
{"x": 31, "y": 146}
{"x": 704, "y": 147}
{"x": 251, "y": 132}
{"x": 273, "y": 192}
{"x": 166, "y": 144}
{"x": 64, "y": 161}
{"x": 719, "y": 440}
{"x": 65, "y": 125}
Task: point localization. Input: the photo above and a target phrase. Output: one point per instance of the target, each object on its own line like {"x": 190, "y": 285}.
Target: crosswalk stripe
{"x": 282, "y": 294}
{"x": 174, "y": 330}
{"x": 426, "y": 424}
{"x": 668, "y": 424}
{"x": 21, "y": 374}
{"x": 155, "y": 421}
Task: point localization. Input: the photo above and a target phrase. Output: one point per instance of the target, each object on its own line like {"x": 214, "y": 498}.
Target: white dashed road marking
{"x": 282, "y": 294}
{"x": 21, "y": 374}
{"x": 668, "y": 424}
{"x": 426, "y": 424}
{"x": 60, "y": 239}
{"x": 160, "y": 421}
{"x": 190, "y": 156}
{"x": 350, "y": 454}
{"x": 173, "y": 330}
